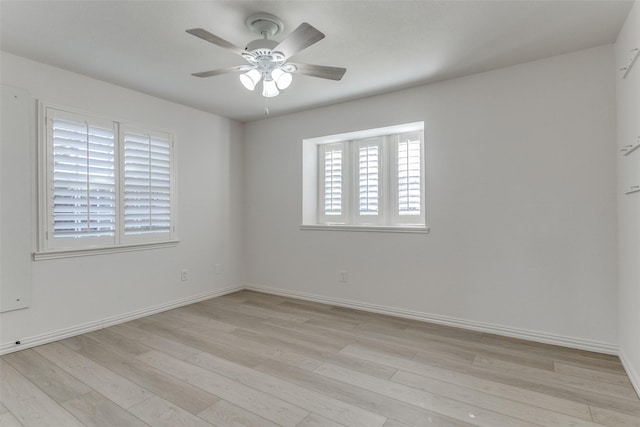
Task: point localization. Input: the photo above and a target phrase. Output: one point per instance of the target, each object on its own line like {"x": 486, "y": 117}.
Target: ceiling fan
{"x": 268, "y": 59}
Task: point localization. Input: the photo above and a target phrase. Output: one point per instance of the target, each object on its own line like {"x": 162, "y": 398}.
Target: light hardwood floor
{"x": 261, "y": 360}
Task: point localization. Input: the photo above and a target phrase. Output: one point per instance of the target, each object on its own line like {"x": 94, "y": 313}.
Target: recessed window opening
{"x": 370, "y": 178}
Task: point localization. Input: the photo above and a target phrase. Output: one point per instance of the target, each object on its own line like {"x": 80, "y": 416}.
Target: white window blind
{"x": 374, "y": 181}
{"x": 104, "y": 184}
{"x": 368, "y": 177}
{"x": 82, "y": 179}
{"x": 333, "y": 179}
{"x": 409, "y": 174}
{"x": 147, "y": 182}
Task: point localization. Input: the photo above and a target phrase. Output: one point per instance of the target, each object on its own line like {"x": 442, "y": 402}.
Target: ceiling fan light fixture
{"x": 269, "y": 89}
{"x": 282, "y": 78}
{"x": 250, "y": 79}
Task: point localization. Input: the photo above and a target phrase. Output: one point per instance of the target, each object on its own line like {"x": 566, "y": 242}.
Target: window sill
{"x": 72, "y": 253}
{"x": 370, "y": 228}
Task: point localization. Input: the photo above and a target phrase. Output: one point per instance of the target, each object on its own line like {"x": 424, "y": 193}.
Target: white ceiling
{"x": 385, "y": 45}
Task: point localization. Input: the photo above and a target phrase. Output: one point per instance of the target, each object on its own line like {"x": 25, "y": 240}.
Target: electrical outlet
{"x": 184, "y": 275}
{"x": 344, "y": 276}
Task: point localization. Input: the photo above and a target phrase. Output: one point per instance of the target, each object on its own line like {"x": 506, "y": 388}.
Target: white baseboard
{"x": 391, "y": 311}
{"x": 525, "y": 334}
{"x": 633, "y": 375}
{"x": 110, "y": 321}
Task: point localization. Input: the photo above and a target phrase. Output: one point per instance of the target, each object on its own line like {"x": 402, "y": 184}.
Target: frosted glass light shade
{"x": 250, "y": 79}
{"x": 282, "y": 78}
{"x": 269, "y": 89}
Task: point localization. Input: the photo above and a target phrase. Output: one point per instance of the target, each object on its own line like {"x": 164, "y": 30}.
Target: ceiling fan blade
{"x": 211, "y": 38}
{"x": 237, "y": 69}
{"x": 322, "y": 71}
{"x": 301, "y": 38}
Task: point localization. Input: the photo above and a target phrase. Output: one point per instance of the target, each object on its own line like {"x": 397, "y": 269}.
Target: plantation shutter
{"x": 81, "y": 187}
{"x": 409, "y": 160}
{"x": 333, "y": 182}
{"x": 147, "y": 183}
{"x": 371, "y": 179}
{"x": 332, "y": 185}
{"x": 369, "y": 157}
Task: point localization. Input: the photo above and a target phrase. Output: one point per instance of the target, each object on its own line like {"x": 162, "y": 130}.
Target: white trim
{"x": 113, "y": 320}
{"x": 633, "y": 375}
{"x": 542, "y": 337}
{"x": 72, "y": 253}
{"x": 373, "y": 228}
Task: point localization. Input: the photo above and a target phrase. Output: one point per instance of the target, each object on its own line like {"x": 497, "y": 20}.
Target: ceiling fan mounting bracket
{"x": 264, "y": 24}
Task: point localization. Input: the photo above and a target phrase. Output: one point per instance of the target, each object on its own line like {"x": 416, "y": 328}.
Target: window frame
{"x": 48, "y": 214}
{"x": 150, "y": 237}
{"x": 388, "y": 218}
{"x": 393, "y": 189}
{"x": 48, "y": 247}
{"x": 356, "y": 215}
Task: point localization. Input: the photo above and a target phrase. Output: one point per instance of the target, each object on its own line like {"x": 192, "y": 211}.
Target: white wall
{"x": 521, "y": 181}
{"x": 521, "y": 201}
{"x": 628, "y": 90}
{"x": 75, "y": 293}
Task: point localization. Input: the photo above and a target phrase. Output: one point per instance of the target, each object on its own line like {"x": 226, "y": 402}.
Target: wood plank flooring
{"x": 251, "y": 359}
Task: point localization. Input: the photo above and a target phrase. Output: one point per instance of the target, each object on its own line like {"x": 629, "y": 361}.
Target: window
{"x": 146, "y": 183}
{"x": 81, "y": 196}
{"x": 368, "y": 179}
{"x": 332, "y": 179}
{"x": 104, "y": 184}
{"x": 368, "y": 168}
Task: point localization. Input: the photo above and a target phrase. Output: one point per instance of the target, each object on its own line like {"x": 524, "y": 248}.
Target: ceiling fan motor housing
{"x": 261, "y": 46}
{"x": 259, "y": 53}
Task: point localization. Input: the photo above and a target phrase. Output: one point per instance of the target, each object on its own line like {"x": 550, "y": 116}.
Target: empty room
{"x": 320, "y": 213}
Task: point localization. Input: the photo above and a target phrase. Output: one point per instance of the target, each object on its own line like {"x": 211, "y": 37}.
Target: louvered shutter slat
{"x": 409, "y": 179}
{"x": 83, "y": 180}
{"x": 333, "y": 181}
{"x": 368, "y": 193}
{"x": 147, "y": 184}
